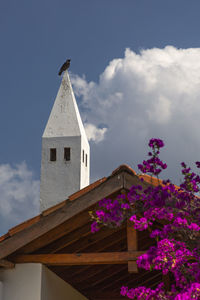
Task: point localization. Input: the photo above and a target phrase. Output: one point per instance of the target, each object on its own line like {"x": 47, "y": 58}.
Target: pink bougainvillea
{"x": 177, "y": 247}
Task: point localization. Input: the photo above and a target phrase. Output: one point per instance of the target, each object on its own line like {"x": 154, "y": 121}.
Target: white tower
{"x": 65, "y": 161}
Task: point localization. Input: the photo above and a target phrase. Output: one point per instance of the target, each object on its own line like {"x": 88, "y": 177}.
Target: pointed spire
{"x": 65, "y": 118}
{"x": 65, "y": 164}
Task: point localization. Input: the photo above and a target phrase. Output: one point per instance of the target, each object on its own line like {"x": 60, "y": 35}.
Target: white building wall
{"x": 59, "y": 178}
{"x": 54, "y": 288}
{"x": 1, "y": 290}
{"x": 35, "y": 282}
{"x": 22, "y": 283}
{"x": 85, "y": 169}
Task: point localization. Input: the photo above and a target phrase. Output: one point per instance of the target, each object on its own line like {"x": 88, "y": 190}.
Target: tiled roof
{"x": 152, "y": 180}
{"x": 87, "y": 189}
{"x": 73, "y": 197}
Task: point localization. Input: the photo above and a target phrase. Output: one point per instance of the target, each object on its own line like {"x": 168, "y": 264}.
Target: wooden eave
{"x": 39, "y": 230}
{"x": 61, "y": 239}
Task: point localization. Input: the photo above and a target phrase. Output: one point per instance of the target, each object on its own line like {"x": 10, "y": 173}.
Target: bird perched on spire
{"x": 65, "y": 66}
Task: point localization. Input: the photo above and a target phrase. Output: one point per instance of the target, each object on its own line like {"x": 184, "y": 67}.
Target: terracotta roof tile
{"x": 4, "y": 237}
{"x": 152, "y": 180}
{"x": 23, "y": 225}
{"x": 87, "y": 189}
{"x": 124, "y": 167}
{"x": 53, "y": 208}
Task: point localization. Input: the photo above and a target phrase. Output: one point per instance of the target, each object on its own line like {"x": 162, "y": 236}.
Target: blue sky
{"x": 38, "y": 36}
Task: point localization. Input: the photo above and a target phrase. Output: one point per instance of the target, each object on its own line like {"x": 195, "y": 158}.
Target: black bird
{"x": 65, "y": 66}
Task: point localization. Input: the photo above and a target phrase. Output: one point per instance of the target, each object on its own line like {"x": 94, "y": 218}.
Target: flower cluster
{"x": 153, "y": 165}
{"x": 143, "y": 293}
{"x": 112, "y": 212}
{"x": 168, "y": 255}
{"x": 191, "y": 180}
{"x": 177, "y": 210}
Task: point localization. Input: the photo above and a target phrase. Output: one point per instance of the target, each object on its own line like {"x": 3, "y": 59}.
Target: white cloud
{"x": 93, "y": 133}
{"x": 19, "y": 195}
{"x": 154, "y": 93}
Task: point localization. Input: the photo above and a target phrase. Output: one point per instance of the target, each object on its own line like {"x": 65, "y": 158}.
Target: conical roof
{"x": 64, "y": 119}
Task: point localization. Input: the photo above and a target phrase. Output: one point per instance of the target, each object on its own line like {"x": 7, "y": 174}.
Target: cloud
{"x": 19, "y": 195}
{"x": 153, "y": 93}
{"x": 93, "y": 133}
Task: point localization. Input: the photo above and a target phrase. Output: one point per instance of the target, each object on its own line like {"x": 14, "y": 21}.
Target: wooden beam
{"x": 138, "y": 279}
{"x": 116, "y": 278}
{"x": 56, "y": 233}
{"x": 100, "y": 240}
{"x": 132, "y": 245}
{"x": 79, "y": 258}
{"x": 101, "y": 277}
{"x": 92, "y": 272}
{"x": 6, "y": 264}
{"x": 130, "y": 280}
{"x": 58, "y": 217}
{"x": 67, "y": 239}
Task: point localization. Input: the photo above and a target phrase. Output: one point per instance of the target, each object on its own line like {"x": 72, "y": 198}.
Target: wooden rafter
{"x": 6, "y": 264}
{"x": 99, "y": 240}
{"x": 108, "y": 274}
{"x": 116, "y": 279}
{"x": 85, "y": 272}
{"x": 96, "y": 272}
{"x": 102, "y": 277}
{"x": 79, "y": 258}
{"x": 67, "y": 239}
{"x": 103, "y": 241}
{"x": 129, "y": 280}
{"x": 132, "y": 245}
{"x": 64, "y": 229}
{"x": 138, "y": 279}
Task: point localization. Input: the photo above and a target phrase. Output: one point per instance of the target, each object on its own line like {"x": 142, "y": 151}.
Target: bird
{"x": 65, "y": 66}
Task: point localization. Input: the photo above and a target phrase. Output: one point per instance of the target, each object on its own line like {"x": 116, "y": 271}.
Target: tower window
{"x": 67, "y": 154}
{"x": 53, "y": 154}
{"x": 86, "y": 160}
{"x": 83, "y": 156}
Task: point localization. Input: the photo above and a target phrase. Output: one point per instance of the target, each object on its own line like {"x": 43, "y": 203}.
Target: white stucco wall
{"x": 21, "y": 283}
{"x": 1, "y": 290}
{"x": 54, "y": 288}
{"x": 85, "y": 170}
{"x": 59, "y": 178}
{"x": 35, "y": 282}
